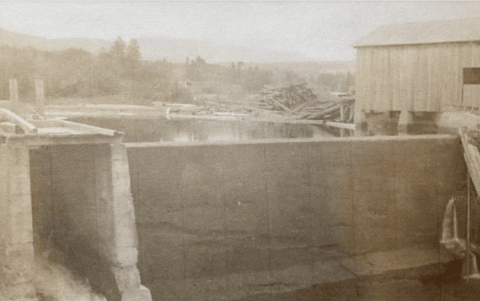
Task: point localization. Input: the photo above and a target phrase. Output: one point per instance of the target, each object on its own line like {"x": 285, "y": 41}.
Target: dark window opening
{"x": 471, "y": 76}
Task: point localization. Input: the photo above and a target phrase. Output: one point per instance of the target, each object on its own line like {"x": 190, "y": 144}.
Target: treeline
{"x": 78, "y": 73}
{"x": 119, "y": 73}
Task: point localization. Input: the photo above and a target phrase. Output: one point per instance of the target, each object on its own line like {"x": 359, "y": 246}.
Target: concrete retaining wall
{"x": 223, "y": 220}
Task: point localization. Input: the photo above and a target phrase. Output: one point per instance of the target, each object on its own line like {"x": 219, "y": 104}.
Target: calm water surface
{"x": 184, "y": 130}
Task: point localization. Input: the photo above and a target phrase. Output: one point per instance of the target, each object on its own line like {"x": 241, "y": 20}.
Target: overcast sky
{"x": 316, "y": 30}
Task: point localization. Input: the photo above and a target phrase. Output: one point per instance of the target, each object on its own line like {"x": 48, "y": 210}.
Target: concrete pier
{"x": 93, "y": 224}
{"x": 405, "y": 121}
{"x": 16, "y": 240}
{"x": 116, "y": 226}
{"x": 65, "y": 196}
{"x": 360, "y": 121}
{"x": 40, "y": 96}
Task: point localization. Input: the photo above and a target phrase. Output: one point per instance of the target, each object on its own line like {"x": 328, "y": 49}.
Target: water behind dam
{"x": 161, "y": 129}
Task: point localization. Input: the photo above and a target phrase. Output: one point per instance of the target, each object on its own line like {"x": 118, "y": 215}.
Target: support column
{"x": 360, "y": 121}
{"x": 14, "y": 102}
{"x": 116, "y": 221}
{"x": 342, "y": 118}
{"x": 342, "y": 113}
{"x": 404, "y": 122}
{"x": 40, "y": 96}
{"x": 16, "y": 229}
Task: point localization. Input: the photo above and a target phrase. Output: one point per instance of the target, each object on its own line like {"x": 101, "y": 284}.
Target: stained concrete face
{"x": 84, "y": 216}
{"x": 227, "y": 220}
{"x": 16, "y": 240}
{"x": 222, "y": 221}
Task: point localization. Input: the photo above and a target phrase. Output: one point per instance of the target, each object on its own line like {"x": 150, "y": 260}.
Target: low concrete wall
{"x": 219, "y": 221}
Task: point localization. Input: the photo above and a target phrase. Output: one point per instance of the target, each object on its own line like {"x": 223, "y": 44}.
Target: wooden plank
{"x": 25, "y": 125}
{"x": 327, "y": 111}
{"x": 88, "y": 129}
{"x": 348, "y": 126}
{"x": 46, "y": 123}
{"x": 282, "y": 106}
{"x": 297, "y": 109}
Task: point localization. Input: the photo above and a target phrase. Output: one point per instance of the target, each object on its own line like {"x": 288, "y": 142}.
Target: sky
{"x": 315, "y": 30}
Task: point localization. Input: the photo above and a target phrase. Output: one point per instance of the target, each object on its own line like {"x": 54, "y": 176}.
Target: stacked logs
{"x": 286, "y": 98}
{"x": 299, "y": 102}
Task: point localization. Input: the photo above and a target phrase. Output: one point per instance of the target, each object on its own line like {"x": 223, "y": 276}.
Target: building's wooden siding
{"x": 415, "y": 77}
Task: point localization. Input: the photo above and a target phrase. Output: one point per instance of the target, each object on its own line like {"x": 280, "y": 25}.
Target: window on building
{"x": 471, "y": 76}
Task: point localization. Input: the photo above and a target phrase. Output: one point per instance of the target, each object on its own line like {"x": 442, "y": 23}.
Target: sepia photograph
{"x": 239, "y": 150}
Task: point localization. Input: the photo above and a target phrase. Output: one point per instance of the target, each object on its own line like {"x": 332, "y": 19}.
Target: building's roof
{"x": 447, "y": 31}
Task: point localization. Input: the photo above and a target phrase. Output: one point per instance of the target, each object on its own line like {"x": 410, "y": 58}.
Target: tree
{"x": 132, "y": 52}
{"x": 117, "y": 51}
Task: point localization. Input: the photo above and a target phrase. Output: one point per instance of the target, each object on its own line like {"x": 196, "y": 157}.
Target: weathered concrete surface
{"x": 225, "y": 220}
{"x": 84, "y": 216}
{"x": 16, "y": 240}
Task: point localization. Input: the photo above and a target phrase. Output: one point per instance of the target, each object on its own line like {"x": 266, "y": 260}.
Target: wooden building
{"x": 419, "y": 67}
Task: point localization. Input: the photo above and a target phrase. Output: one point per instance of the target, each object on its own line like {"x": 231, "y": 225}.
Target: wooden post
{"x": 13, "y": 90}
{"x": 40, "y": 96}
{"x": 342, "y": 113}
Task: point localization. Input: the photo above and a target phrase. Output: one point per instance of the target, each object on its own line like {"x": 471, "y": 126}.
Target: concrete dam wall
{"x": 223, "y": 220}
{"x": 220, "y": 221}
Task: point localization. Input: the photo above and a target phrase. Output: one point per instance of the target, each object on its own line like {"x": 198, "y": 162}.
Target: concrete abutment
{"x": 71, "y": 204}
{"x": 16, "y": 240}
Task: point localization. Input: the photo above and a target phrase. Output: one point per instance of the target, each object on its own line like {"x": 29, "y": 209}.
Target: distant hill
{"x": 175, "y": 50}
{"x": 16, "y": 39}
{"x": 313, "y": 68}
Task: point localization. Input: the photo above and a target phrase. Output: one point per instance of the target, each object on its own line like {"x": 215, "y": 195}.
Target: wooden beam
{"x": 341, "y": 125}
{"x": 46, "y": 123}
{"x": 88, "y": 129}
{"x": 300, "y": 107}
{"x": 348, "y": 126}
{"x": 25, "y": 125}
{"x": 282, "y": 106}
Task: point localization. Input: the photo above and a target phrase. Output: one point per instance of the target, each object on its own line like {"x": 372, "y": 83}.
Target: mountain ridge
{"x": 159, "y": 48}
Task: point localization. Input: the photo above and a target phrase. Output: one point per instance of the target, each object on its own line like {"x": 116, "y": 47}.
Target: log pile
{"x": 341, "y": 110}
{"x": 299, "y": 102}
{"x": 287, "y": 98}
{"x": 293, "y": 103}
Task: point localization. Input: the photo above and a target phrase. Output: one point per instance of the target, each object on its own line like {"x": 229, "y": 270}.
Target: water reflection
{"x": 186, "y": 130}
